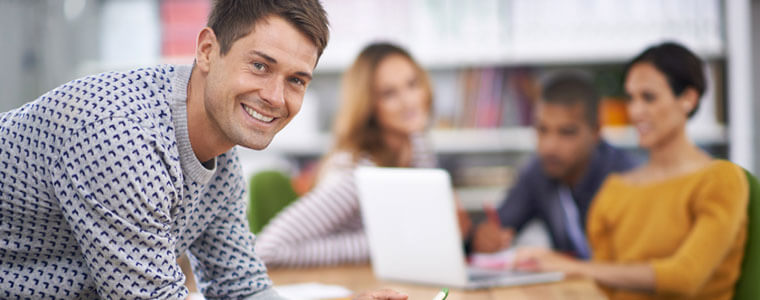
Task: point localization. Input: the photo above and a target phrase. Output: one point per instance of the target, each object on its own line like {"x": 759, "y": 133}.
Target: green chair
{"x": 748, "y": 286}
{"x": 269, "y": 192}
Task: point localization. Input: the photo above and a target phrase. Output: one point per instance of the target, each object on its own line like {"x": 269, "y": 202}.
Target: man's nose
{"x": 273, "y": 92}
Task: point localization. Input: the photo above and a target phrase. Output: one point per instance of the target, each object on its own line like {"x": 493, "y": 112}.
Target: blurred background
{"x": 486, "y": 58}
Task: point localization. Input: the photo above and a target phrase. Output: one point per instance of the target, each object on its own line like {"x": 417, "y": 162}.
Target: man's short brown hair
{"x": 233, "y": 19}
{"x": 572, "y": 88}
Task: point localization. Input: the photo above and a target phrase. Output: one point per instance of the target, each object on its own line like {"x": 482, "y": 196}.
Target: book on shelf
{"x": 492, "y": 98}
{"x": 181, "y": 20}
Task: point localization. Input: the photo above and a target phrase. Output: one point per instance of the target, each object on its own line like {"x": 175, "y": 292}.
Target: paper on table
{"x": 312, "y": 290}
{"x": 503, "y": 260}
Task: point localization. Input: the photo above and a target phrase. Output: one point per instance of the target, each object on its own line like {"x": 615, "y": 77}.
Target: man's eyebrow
{"x": 304, "y": 74}
{"x": 265, "y": 56}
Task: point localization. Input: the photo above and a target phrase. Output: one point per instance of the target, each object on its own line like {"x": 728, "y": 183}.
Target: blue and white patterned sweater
{"x": 100, "y": 192}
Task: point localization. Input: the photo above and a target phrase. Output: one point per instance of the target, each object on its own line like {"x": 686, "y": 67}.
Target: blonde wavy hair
{"x": 356, "y": 128}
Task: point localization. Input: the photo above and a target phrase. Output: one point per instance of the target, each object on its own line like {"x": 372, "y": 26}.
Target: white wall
{"x": 740, "y": 84}
{"x": 41, "y": 46}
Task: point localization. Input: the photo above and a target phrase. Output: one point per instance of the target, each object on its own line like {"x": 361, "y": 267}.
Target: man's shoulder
{"x": 137, "y": 97}
{"x": 532, "y": 176}
{"x": 616, "y": 159}
{"x": 127, "y": 93}
{"x": 533, "y": 169}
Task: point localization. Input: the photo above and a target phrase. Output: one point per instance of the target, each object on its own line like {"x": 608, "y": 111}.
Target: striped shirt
{"x": 324, "y": 227}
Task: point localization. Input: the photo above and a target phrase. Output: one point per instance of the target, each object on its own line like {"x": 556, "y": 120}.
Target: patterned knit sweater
{"x": 100, "y": 192}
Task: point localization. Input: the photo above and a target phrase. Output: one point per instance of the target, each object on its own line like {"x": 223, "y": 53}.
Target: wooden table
{"x": 360, "y": 278}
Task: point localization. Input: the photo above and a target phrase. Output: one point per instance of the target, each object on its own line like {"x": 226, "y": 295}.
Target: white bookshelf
{"x": 456, "y": 33}
{"x": 451, "y": 35}
{"x": 474, "y": 141}
{"x": 528, "y": 57}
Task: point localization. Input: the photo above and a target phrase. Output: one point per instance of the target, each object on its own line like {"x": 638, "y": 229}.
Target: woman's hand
{"x": 636, "y": 276}
{"x": 381, "y": 295}
{"x": 538, "y": 259}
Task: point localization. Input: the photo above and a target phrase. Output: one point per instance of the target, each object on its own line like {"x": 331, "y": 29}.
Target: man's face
{"x": 565, "y": 138}
{"x": 255, "y": 89}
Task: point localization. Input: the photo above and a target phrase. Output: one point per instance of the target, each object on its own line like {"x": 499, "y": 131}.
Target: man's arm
{"x": 519, "y": 206}
{"x": 513, "y": 213}
{"x": 116, "y": 192}
{"x": 223, "y": 255}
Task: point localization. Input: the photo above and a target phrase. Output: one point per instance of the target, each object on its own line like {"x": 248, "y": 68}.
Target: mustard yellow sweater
{"x": 691, "y": 229}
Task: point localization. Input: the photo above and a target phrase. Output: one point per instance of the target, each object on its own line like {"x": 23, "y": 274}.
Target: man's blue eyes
{"x": 259, "y": 66}
{"x": 263, "y": 67}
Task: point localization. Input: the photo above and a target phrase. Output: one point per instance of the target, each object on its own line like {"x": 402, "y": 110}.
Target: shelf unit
{"x": 474, "y": 141}
{"x": 443, "y": 36}
{"x": 535, "y": 57}
{"x": 447, "y": 36}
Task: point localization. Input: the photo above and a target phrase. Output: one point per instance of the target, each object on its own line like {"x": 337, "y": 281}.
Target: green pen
{"x": 442, "y": 294}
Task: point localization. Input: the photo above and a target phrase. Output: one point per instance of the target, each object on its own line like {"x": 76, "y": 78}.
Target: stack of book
{"x": 181, "y": 20}
{"x": 492, "y": 98}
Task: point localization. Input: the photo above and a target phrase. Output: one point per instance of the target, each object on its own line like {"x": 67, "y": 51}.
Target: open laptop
{"x": 410, "y": 219}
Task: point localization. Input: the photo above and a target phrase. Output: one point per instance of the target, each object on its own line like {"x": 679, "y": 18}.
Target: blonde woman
{"x": 674, "y": 228}
{"x": 385, "y": 111}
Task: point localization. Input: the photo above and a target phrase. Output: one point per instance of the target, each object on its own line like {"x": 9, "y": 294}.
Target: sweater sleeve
{"x": 596, "y": 226}
{"x": 223, "y": 255}
{"x": 115, "y": 192}
{"x": 313, "y": 231}
{"x": 720, "y": 209}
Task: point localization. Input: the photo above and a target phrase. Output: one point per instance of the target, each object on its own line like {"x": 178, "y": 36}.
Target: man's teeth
{"x": 257, "y": 115}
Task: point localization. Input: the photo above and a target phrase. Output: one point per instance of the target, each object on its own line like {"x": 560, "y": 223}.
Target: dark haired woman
{"x": 676, "y": 226}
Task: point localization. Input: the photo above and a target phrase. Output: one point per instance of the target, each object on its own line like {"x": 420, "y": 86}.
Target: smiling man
{"x": 106, "y": 180}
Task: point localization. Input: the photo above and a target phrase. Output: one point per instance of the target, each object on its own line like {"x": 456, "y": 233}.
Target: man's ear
{"x": 688, "y": 100}
{"x": 596, "y": 123}
{"x": 597, "y": 131}
{"x": 206, "y": 48}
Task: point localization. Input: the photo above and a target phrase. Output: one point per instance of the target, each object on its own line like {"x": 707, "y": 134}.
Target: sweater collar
{"x": 191, "y": 166}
